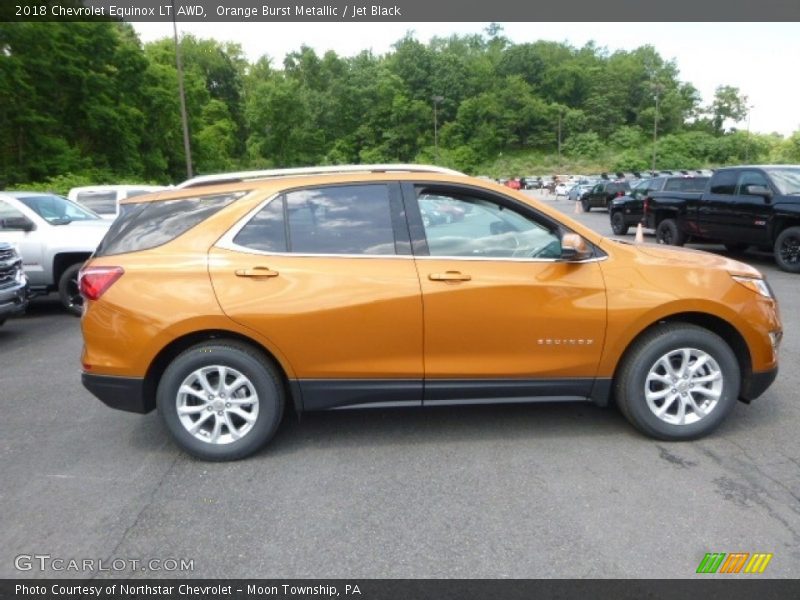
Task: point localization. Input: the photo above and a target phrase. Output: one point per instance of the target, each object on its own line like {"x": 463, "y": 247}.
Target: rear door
{"x": 505, "y": 318}
{"x": 326, "y": 274}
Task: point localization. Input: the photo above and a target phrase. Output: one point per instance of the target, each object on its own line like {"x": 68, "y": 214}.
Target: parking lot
{"x": 547, "y": 490}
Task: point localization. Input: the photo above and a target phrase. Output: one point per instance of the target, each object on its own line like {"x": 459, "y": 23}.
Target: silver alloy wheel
{"x": 217, "y": 404}
{"x": 683, "y": 386}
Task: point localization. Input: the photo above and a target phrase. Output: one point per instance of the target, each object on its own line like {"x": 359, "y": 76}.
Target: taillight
{"x": 620, "y": 194}
{"x": 646, "y": 205}
{"x": 94, "y": 281}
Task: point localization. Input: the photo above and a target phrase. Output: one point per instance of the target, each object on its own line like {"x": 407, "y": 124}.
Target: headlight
{"x": 759, "y": 286}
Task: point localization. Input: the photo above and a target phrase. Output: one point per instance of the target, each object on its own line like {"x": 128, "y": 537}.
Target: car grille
{"x": 10, "y": 263}
{"x": 6, "y": 255}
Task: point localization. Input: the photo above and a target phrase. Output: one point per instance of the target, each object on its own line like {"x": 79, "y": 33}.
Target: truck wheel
{"x": 668, "y": 233}
{"x": 678, "y": 382}
{"x": 221, "y": 400}
{"x": 618, "y": 223}
{"x": 585, "y": 205}
{"x": 787, "y": 250}
{"x": 68, "y": 290}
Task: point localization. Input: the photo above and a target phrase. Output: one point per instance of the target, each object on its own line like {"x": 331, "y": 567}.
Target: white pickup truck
{"x": 55, "y": 237}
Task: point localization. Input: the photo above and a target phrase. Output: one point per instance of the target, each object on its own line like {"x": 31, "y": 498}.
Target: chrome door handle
{"x": 450, "y": 276}
{"x": 256, "y": 272}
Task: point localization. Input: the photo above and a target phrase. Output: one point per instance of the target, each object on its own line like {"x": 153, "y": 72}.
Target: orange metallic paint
{"x": 338, "y": 317}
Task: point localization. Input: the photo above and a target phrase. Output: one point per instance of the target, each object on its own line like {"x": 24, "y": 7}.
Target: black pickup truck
{"x": 740, "y": 207}
{"x": 628, "y": 210}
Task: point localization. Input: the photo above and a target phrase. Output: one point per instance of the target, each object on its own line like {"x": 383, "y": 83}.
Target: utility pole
{"x": 187, "y": 149}
{"x": 560, "y": 168}
{"x": 436, "y": 100}
{"x": 657, "y": 89}
{"x": 747, "y": 139}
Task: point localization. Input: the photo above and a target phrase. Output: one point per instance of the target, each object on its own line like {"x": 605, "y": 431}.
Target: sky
{"x": 758, "y": 58}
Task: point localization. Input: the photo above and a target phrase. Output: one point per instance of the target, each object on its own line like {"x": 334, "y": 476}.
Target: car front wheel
{"x": 678, "y": 382}
{"x": 221, "y": 400}
{"x": 585, "y": 205}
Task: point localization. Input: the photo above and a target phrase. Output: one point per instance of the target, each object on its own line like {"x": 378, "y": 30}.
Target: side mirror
{"x": 22, "y": 223}
{"x": 758, "y": 190}
{"x": 574, "y": 248}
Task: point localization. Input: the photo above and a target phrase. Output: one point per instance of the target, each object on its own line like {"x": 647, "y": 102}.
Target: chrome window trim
{"x": 226, "y": 243}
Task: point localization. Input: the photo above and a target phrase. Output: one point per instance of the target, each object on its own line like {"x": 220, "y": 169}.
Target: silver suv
{"x": 55, "y": 237}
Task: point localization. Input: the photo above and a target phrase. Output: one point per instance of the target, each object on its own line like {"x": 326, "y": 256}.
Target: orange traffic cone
{"x": 639, "y": 234}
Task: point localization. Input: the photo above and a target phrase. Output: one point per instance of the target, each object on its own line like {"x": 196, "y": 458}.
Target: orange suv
{"x": 228, "y": 300}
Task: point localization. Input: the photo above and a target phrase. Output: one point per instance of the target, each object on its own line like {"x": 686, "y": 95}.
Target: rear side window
{"x": 151, "y": 224}
{"x": 103, "y": 203}
{"x": 347, "y": 219}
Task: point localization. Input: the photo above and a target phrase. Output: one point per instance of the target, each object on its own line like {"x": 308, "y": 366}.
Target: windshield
{"x": 57, "y": 210}
{"x": 786, "y": 180}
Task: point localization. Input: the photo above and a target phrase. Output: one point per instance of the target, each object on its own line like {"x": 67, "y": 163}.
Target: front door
{"x": 505, "y": 317}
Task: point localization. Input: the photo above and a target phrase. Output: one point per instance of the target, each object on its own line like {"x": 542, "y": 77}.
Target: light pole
{"x": 436, "y": 100}
{"x": 560, "y": 168}
{"x": 747, "y": 139}
{"x": 657, "y": 89}
{"x": 187, "y": 149}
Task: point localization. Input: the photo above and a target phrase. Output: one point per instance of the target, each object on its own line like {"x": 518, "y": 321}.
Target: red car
{"x": 513, "y": 184}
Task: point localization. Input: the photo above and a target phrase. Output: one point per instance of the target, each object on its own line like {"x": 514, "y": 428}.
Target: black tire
{"x": 585, "y": 204}
{"x": 668, "y": 233}
{"x": 68, "y": 291}
{"x": 736, "y": 247}
{"x": 264, "y": 378}
{"x": 643, "y": 358}
{"x": 618, "y": 225}
{"x": 787, "y": 250}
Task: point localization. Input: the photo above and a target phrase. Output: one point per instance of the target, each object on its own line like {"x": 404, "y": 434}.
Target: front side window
{"x": 787, "y": 180}
{"x": 463, "y": 226}
{"x": 751, "y": 178}
{"x": 57, "y": 210}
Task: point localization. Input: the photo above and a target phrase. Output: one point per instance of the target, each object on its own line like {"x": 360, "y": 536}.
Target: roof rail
{"x": 220, "y": 178}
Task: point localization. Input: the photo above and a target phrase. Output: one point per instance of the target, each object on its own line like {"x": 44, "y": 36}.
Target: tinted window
{"x": 751, "y": 178}
{"x": 103, "y": 203}
{"x": 353, "y": 219}
{"x": 464, "y": 226}
{"x": 724, "y": 182}
{"x": 150, "y": 224}
{"x": 686, "y": 184}
{"x": 266, "y": 231}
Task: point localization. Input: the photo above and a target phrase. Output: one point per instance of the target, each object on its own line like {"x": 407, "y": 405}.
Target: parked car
{"x": 513, "y": 183}
{"x": 13, "y": 281}
{"x": 740, "y": 207}
{"x": 577, "y": 191}
{"x": 561, "y": 189}
{"x": 325, "y": 290}
{"x": 602, "y": 193}
{"x": 631, "y": 209}
{"x": 54, "y": 236}
{"x": 104, "y": 199}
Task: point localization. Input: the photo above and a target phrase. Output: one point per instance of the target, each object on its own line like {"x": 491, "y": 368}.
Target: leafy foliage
{"x": 87, "y": 103}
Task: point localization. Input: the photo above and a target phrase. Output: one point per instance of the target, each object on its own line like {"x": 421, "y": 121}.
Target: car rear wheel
{"x": 668, "y": 233}
{"x": 678, "y": 382}
{"x": 68, "y": 291}
{"x": 221, "y": 400}
{"x": 787, "y": 250}
{"x": 618, "y": 225}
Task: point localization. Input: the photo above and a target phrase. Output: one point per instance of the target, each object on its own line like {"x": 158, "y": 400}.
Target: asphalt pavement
{"x": 478, "y": 492}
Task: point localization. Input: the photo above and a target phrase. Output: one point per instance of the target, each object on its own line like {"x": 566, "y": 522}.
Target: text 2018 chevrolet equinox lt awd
{"x": 232, "y": 298}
